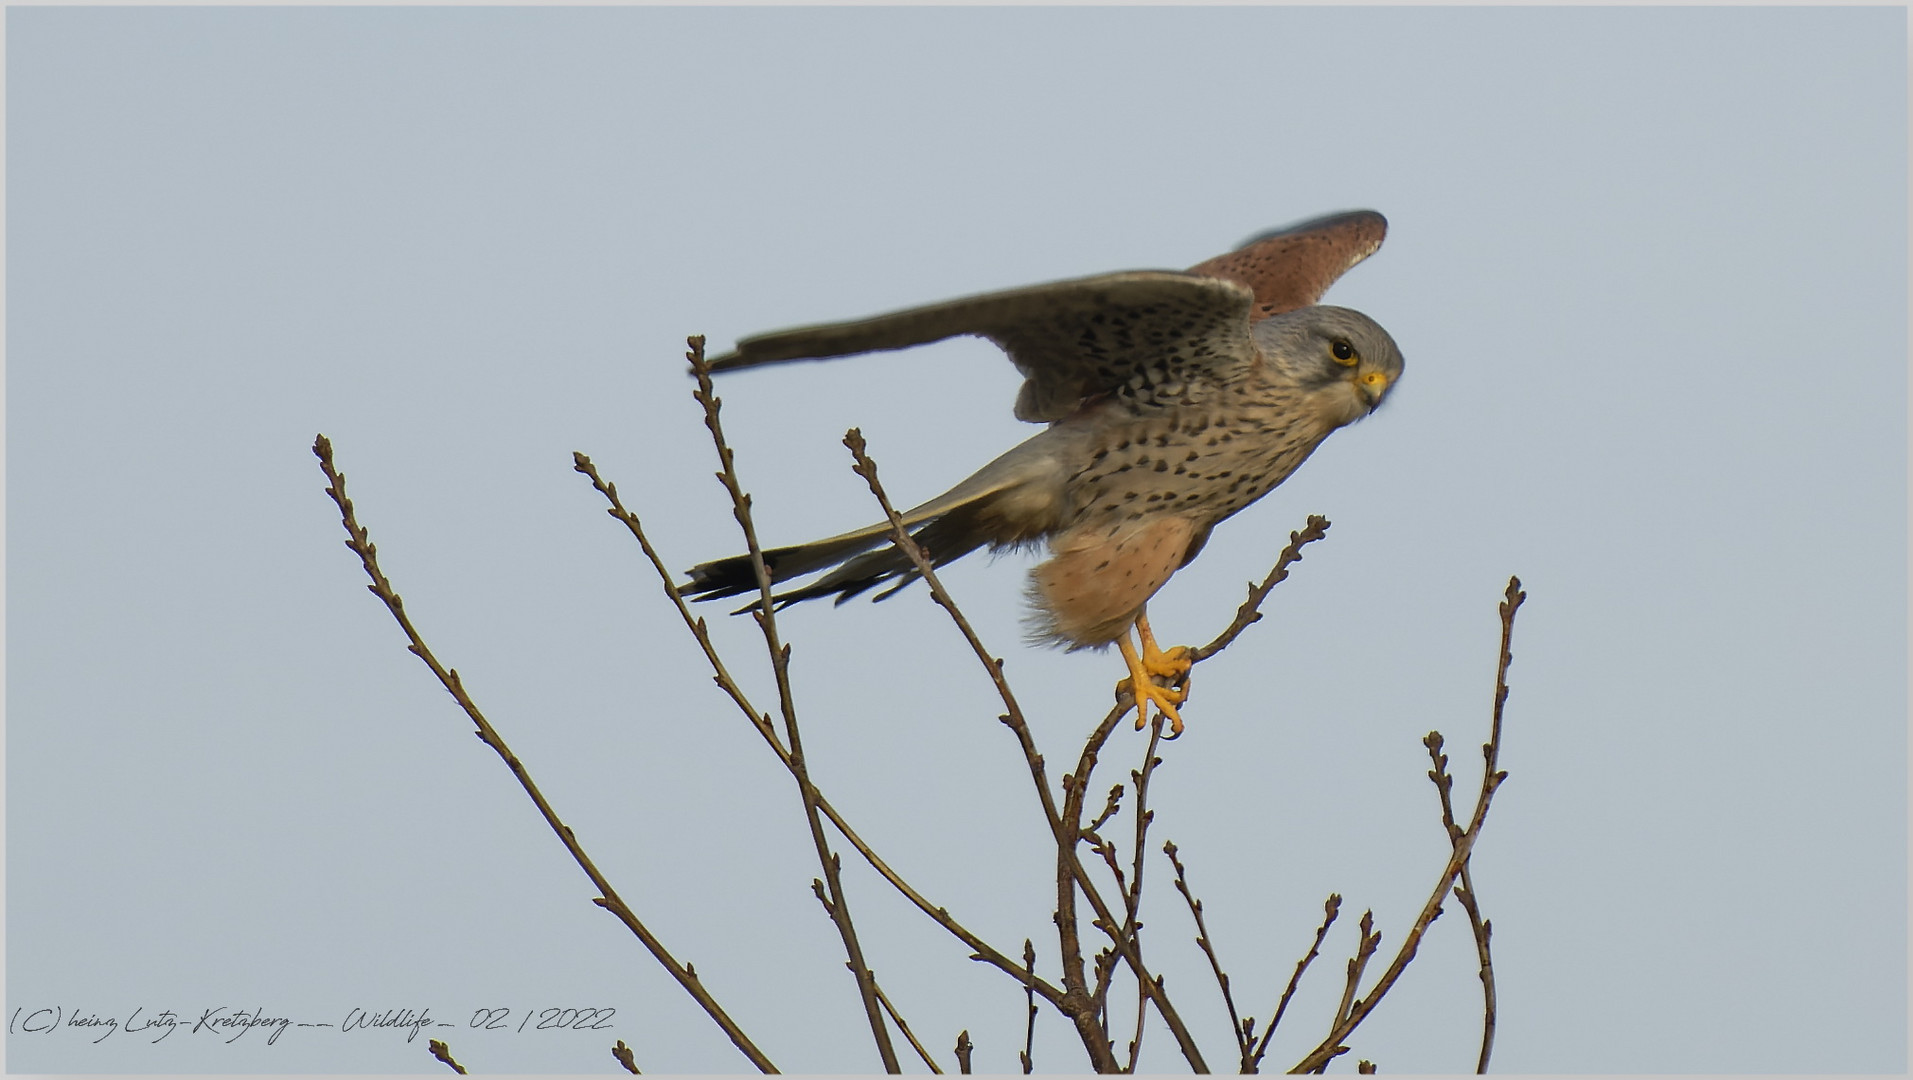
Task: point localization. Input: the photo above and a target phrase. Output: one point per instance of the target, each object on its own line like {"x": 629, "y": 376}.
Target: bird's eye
{"x": 1344, "y": 352}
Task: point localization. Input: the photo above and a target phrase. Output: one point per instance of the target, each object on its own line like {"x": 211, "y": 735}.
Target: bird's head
{"x": 1344, "y": 360}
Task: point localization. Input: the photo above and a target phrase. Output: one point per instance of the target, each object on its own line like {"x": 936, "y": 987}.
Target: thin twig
{"x": 1483, "y": 929}
{"x": 1069, "y": 942}
{"x": 1107, "y": 849}
{"x": 963, "y": 1049}
{"x": 1109, "y": 810}
{"x": 897, "y": 1019}
{"x": 1209, "y": 950}
{"x": 780, "y": 667}
{"x": 1132, "y": 900}
{"x": 1491, "y": 779}
{"x": 359, "y": 541}
{"x": 1465, "y": 892}
{"x": 1144, "y": 817}
{"x": 1029, "y": 1027}
{"x": 1329, "y": 910}
{"x": 1135, "y": 1041}
{"x": 1106, "y": 958}
{"x": 1368, "y": 940}
{"x": 626, "y": 1058}
{"x": 1366, "y": 944}
{"x": 700, "y": 630}
{"x": 1250, "y": 612}
{"x": 823, "y": 897}
{"x": 444, "y": 1053}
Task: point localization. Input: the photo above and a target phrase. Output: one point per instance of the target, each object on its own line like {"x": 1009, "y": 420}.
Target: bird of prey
{"x": 1173, "y": 399}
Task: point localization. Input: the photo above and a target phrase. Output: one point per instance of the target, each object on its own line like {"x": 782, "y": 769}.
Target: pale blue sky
{"x": 1648, "y": 269}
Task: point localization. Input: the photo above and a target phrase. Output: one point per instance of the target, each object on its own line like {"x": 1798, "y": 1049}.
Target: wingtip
{"x": 1353, "y": 220}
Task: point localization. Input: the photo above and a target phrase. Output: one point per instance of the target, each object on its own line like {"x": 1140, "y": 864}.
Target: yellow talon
{"x": 1145, "y": 667}
{"x": 1172, "y": 664}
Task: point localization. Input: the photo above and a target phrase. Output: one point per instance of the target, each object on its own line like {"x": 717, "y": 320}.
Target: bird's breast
{"x": 1203, "y": 462}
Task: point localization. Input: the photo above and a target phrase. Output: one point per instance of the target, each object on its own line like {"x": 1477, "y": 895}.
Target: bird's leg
{"x": 1172, "y": 664}
{"x": 1142, "y": 686}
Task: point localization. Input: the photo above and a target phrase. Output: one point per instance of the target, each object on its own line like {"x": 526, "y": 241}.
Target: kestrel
{"x": 1173, "y": 399}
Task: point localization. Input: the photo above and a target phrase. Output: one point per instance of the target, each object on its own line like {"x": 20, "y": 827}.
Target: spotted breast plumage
{"x": 1173, "y": 399}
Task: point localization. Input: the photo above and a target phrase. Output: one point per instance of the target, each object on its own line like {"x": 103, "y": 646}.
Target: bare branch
{"x": 358, "y": 539}
{"x": 444, "y": 1053}
{"x": 963, "y": 1049}
{"x": 1465, "y": 892}
{"x": 1491, "y": 779}
{"x": 1081, "y": 1006}
{"x": 1444, "y": 783}
{"x": 1130, "y": 887}
{"x": 1209, "y": 950}
{"x": 1250, "y": 612}
{"x": 1483, "y": 929}
{"x": 1329, "y": 910}
{"x": 1132, "y": 900}
{"x": 897, "y": 1019}
{"x": 780, "y": 667}
{"x": 1029, "y": 1029}
{"x": 1142, "y": 1019}
{"x": 626, "y": 1058}
{"x": 1367, "y": 942}
{"x": 823, "y": 897}
{"x": 1109, "y": 810}
{"x": 1491, "y": 750}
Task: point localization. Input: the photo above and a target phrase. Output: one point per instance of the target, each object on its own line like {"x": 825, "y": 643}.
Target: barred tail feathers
{"x": 998, "y": 506}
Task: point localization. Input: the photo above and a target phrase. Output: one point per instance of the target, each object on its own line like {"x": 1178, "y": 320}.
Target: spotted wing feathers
{"x": 1070, "y": 339}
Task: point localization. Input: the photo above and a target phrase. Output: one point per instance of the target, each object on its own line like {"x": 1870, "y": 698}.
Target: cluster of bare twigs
{"x": 1082, "y": 995}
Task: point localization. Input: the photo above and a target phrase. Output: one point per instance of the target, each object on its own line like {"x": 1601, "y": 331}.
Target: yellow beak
{"x": 1372, "y": 384}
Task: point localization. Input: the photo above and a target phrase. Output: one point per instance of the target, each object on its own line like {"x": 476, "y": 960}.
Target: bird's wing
{"x": 1291, "y": 267}
{"x": 1070, "y": 339}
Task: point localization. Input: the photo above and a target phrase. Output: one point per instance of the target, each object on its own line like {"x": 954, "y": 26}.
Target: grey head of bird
{"x": 1342, "y": 359}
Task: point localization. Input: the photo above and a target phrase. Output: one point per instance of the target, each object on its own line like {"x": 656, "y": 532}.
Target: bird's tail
{"x": 861, "y": 564}
{"x": 948, "y": 527}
